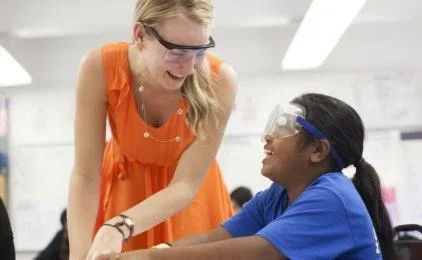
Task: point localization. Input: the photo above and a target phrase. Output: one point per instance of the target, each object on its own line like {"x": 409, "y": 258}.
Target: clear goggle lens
{"x": 178, "y": 55}
{"x": 282, "y": 121}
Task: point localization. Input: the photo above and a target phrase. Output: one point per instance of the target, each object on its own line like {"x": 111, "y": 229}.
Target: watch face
{"x": 129, "y": 222}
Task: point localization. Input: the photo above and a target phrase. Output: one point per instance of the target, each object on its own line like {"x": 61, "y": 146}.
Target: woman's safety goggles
{"x": 181, "y": 53}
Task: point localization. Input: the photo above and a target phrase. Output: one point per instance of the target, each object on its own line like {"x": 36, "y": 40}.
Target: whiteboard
{"x": 38, "y": 192}
{"x": 390, "y": 99}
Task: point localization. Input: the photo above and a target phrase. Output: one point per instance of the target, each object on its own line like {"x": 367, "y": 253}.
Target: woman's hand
{"x": 108, "y": 240}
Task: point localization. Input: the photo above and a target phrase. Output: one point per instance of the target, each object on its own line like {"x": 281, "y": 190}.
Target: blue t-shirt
{"x": 327, "y": 221}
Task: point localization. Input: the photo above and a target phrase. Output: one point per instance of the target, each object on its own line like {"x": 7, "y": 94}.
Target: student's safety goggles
{"x": 181, "y": 53}
{"x": 287, "y": 120}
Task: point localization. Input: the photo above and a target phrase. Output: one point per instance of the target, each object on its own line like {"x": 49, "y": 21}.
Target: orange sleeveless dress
{"x": 135, "y": 167}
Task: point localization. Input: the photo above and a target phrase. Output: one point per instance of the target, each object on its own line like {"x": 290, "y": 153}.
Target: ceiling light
{"x": 321, "y": 29}
{"x": 11, "y": 72}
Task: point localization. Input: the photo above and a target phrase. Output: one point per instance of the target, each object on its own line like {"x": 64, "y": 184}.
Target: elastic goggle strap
{"x": 318, "y": 134}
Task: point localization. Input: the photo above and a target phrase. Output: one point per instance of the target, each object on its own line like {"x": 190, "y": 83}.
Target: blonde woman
{"x": 168, "y": 101}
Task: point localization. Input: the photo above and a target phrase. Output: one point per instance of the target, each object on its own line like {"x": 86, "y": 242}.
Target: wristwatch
{"x": 128, "y": 222}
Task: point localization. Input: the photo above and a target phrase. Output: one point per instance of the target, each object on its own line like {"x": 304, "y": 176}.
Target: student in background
{"x": 7, "y": 247}
{"x": 58, "y": 248}
{"x": 240, "y": 196}
{"x": 312, "y": 210}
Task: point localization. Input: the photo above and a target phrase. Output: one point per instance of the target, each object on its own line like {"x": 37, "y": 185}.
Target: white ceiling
{"x": 252, "y": 35}
{"x": 53, "y": 17}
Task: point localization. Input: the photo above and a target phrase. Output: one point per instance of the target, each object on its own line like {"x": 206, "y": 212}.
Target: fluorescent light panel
{"x": 11, "y": 72}
{"x": 318, "y": 34}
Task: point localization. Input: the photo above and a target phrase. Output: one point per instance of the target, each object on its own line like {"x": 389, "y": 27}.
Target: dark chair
{"x": 408, "y": 247}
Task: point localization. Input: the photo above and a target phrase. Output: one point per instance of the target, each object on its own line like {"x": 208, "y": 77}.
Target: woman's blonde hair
{"x": 198, "y": 88}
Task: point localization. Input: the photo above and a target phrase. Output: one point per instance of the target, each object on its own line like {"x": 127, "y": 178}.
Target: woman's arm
{"x": 192, "y": 166}
{"x": 189, "y": 174}
{"x": 90, "y": 119}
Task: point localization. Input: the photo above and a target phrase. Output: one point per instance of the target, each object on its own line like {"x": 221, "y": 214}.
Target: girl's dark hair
{"x": 345, "y": 130}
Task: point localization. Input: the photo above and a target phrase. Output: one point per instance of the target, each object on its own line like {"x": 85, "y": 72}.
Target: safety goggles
{"x": 287, "y": 120}
{"x": 181, "y": 53}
